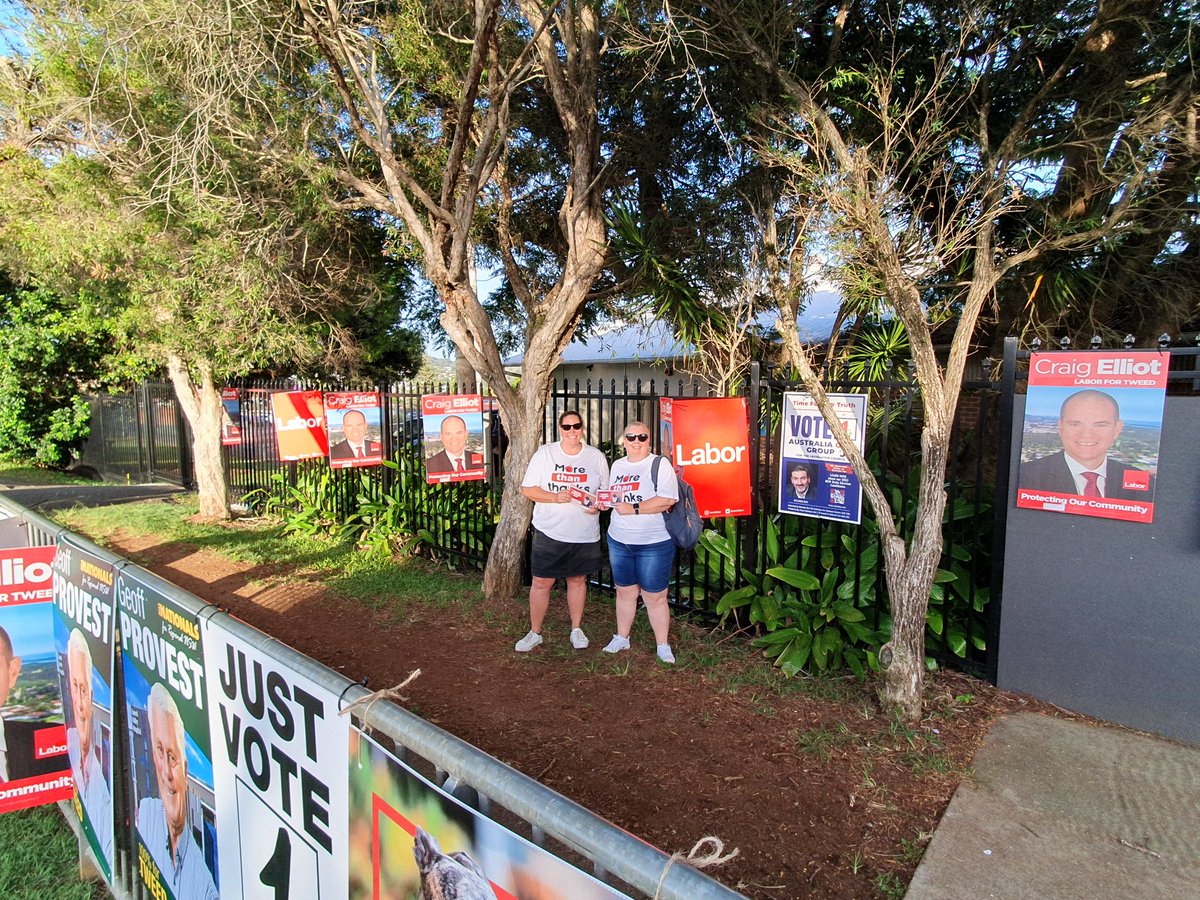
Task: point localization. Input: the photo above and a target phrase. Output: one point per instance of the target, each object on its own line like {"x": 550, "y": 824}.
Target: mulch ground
{"x": 822, "y": 794}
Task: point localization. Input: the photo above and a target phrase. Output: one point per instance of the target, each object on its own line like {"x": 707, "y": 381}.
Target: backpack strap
{"x": 654, "y": 473}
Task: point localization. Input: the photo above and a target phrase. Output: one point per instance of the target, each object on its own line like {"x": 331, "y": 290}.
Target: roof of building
{"x": 655, "y": 341}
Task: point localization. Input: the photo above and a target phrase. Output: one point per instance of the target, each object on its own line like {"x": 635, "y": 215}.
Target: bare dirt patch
{"x": 822, "y": 794}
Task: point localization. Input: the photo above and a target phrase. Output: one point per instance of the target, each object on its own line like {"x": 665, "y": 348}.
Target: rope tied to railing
{"x": 365, "y": 702}
{"x": 698, "y": 860}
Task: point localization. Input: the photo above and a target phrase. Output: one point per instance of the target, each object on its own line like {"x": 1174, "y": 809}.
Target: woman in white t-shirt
{"x": 566, "y": 536}
{"x": 639, "y": 547}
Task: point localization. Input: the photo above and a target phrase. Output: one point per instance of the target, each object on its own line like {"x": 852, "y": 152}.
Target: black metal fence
{"x": 143, "y": 435}
{"x": 140, "y": 436}
{"x": 456, "y": 521}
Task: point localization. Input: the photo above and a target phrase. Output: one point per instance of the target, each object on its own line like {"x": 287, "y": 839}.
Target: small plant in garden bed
{"x": 817, "y": 601}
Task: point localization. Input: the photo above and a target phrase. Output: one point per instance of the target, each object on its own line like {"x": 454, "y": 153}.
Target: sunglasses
{"x": 571, "y": 426}
{"x": 637, "y": 437}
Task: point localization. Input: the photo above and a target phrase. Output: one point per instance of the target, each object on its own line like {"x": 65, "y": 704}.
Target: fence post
{"x": 151, "y": 437}
{"x": 1008, "y": 388}
{"x": 187, "y": 473}
{"x": 139, "y": 415}
{"x": 755, "y": 422}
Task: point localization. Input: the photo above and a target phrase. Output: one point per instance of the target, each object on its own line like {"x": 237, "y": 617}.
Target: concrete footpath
{"x": 65, "y": 496}
{"x": 1062, "y": 809}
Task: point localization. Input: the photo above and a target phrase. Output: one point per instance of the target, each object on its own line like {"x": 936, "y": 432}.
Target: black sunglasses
{"x": 571, "y": 426}
{"x": 637, "y": 437}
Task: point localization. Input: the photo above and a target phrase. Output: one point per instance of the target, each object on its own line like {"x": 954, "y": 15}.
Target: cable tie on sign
{"x": 698, "y": 860}
{"x": 342, "y": 696}
{"x": 365, "y": 702}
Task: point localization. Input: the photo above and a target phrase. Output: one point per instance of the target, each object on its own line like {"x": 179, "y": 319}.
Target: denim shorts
{"x": 646, "y": 565}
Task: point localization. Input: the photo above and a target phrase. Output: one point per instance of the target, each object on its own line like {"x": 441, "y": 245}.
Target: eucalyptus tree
{"x": 227, "y": 258}
{"x": 945, "y": 149}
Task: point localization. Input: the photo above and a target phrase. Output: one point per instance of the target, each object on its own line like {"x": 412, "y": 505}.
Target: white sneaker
{"x": 527, "y": 643}
{"x": 578, "y": 639}
{"x": 665, "y": 654}
{"x": 617, "y": 644}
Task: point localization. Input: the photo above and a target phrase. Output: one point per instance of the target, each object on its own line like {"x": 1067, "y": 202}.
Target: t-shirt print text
{"x": 627, "y": 489}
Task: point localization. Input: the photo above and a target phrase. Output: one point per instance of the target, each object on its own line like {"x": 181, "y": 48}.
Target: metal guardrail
{"x": 463, "y": 770}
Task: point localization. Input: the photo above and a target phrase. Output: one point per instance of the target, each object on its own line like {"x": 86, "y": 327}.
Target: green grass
{"x": 379, "y": 582}
{"x": 821, "y": 742}
{"x": 22, "y": 472}
{"x": 39, "y": 858}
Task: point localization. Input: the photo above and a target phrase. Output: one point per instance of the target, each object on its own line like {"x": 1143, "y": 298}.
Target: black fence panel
{"x": 143, "y": 435}
{"x": 139, "y": 436}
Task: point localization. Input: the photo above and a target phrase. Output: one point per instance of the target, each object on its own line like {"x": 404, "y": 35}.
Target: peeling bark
{"x": 200, "y": 400}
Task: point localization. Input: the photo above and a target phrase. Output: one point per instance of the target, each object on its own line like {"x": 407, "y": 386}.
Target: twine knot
{"x": 364, "y": 703}
{"x": 698, "y": 860}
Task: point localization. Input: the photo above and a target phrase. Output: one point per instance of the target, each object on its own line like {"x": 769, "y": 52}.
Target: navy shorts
{"x": 646, "y": 565}
{"x": 558, "y": 559}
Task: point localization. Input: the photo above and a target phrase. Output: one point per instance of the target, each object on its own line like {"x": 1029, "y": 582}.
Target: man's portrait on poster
{"x": 162, "y": 821}
{"x": 801, "y": 482}
{"x": 1089, "y": 423}
{"x": 454, "y": 455}
{"x": 18, "y": 759}
{"x": 355, "y": 445}
{"x": 85, "y": 745}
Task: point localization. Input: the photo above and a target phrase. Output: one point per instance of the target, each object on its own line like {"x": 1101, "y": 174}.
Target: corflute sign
{"x": 708, "y": 442}
{"x": 1093, "y": 422}
{"x": 299, "y": 425}
{"x": 280, "y": 757}
{"x": 34, "y": 767}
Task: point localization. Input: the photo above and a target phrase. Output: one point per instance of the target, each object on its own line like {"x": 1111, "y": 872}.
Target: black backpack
{"x": 683, "y": 521}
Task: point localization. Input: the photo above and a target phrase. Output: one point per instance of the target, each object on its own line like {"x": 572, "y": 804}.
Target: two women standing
{"x": 566, "y": 541}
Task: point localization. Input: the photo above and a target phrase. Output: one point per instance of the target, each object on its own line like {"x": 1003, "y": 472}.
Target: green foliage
{"x": 818, "y": 596}
{"x": 410, "y": 514}
{"x": 187, "y": 199}
{"x": 50, "y": 351}
{"x": 307, "y": 502}
{"x": 879, "y": 352}
{"x": 805, "y": 602}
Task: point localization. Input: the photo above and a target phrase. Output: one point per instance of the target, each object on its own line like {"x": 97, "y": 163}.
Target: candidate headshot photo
{"x": 162, "y": 821}
{"x": 1089, "y": 423}
{"x": 801, "y": 482}
{"x": 84, "y": 744}
{"x": 17, "y": 757}
{"x": 454, "y": 455}
{"x": 356, "y": 444}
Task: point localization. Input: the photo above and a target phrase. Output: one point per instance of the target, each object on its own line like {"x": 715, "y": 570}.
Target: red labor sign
{"x": 299, "y": 425}
{"x": 1093, "y": 421}
{"x": 708, "y": 442}
{"x": 353, "y": 426}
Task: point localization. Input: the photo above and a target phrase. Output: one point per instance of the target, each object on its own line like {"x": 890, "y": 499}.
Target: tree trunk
{"x": 506, "y": 559}
{"x": 910, "y": 580}
{"x": 201, "y": 403}
{"x": 464, "y": 374}
{"x": 502, "y": 577}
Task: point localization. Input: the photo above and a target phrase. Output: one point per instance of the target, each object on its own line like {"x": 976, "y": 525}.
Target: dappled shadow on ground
{"x": 822, "y": 795}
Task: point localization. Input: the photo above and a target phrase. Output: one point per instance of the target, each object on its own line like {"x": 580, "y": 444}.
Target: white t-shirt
{"x": 631, "y": 483}
{"x": 553, "y": 470}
